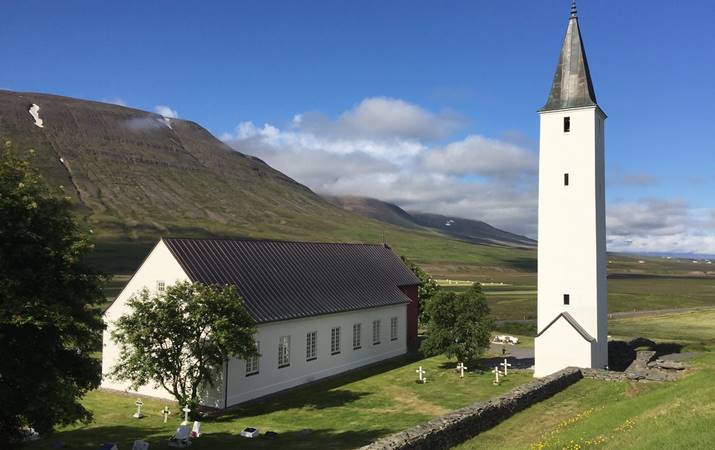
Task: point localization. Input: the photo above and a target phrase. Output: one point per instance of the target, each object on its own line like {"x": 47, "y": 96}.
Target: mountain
{"x": 471, "y": 230}
{"x": 474, "y": 231}
{"x": 134, "y": 176}
{"x": 374, "y": 209}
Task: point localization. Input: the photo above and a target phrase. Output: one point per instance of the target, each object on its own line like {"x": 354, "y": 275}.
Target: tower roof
{"x": 572, "y": 86}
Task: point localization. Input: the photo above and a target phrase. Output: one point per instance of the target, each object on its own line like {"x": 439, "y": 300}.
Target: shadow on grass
{"x": 321, "y": 394}
{"x": 124, "y": 436}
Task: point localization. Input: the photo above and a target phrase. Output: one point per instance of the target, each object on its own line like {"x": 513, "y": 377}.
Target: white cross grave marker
{"x": 165, "y": 412}
{"x": 496, "y": 374}
{"x": 506, "y": 366}
{"x": 461, "y": 367}
{"x": 138, "y": 414}
{"x": 420, "y": 375}
{"x": 186, "y": 410}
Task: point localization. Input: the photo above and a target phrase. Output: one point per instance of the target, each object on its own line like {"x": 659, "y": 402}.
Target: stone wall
{"x": 458, "y": 426}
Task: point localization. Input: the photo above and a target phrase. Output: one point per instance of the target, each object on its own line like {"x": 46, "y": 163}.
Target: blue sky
{"x": 472, "y": 72}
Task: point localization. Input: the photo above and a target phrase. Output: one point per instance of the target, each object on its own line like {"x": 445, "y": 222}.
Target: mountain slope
{"x": 474, "y": 231}
{"x": 135, "y": 176}
{"x": 471, "y": 230}
{"x": 374, "y": 209}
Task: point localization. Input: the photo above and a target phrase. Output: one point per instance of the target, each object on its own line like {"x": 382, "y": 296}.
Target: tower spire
{"x": 572, "y": 86}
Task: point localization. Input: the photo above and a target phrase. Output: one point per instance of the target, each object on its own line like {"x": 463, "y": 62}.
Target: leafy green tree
{"x": 49, "y": 305}
{"x": 460, "y": 325}
{"x": 179, "y": 339}
{"x": 427, "y": 290}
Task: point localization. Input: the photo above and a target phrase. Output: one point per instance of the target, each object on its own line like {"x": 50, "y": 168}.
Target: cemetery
{"x": 348, "y": 411}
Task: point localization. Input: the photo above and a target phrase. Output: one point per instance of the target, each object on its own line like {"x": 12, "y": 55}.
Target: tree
{"x": 49, "y": 305}
{"x": 427, "y": 290}
{"x": 460, "y": 325}
{"x": 179, "y": 339}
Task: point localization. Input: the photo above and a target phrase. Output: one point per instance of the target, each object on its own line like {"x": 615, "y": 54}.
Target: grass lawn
{"x": 611, "y": 415}
{"x": 345, "y": 412}
{"x": 694, "y": 329}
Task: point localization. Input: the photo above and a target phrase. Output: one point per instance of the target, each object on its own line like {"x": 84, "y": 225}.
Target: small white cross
{"x": 461, "y": 367}
{"x": 506, "y": 366}
{"x": 186, "y": 410}
{"x": 420, "y": 374}
{"x": 138, "y": 414}
{"x": 496, "y": 374}
{"x": 165, "y": 412}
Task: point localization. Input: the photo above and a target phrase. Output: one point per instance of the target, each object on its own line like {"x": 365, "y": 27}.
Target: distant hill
{"x": 474, "y": 231}
{"x": 135, "y": 176}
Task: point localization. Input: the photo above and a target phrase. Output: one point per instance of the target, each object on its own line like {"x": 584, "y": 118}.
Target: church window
{"x": 284, "y": 351}
{"x": 393, "y": 328}
{"x": 252, "y": 363}
{"x": 335, "y": 341}
{"x": 566, "y": 179}
{"x": 567, "y": 124}
{"x": 567, "y": 299}
{"x": 160, "y": 286}
{"x": 357, "y": 336}
{"x": 375, "y": 332}
{"x": 310, "y": 346}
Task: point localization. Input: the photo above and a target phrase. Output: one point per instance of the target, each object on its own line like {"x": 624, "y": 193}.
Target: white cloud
{"x": 166, "y": 111}
{"x": 381, "y": 148}
{"x": 483, "y": 156}
{"x": 657, "y": 225}
{"x": 401, "y": 153}
{"x": 116, "y": 101}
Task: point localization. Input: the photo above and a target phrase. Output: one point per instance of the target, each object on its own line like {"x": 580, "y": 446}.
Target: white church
{"x": 572, "y": 289}
{"x": 320, "y": 308}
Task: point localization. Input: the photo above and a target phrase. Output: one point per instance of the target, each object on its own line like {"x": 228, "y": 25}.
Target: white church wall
{"x": 160, "y": 265}
{"x": 559, "y": 347}
{"x": 271, "y": 378}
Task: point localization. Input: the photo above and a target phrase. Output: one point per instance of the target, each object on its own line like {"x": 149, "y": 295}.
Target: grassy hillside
{"x": 135, "y": 176}
{"x": 473, "y": 231}
{"x": 632, "y": 415}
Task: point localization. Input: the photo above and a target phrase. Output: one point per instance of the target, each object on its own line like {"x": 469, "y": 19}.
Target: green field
{"x": 345, "y": 412}
{"x": 612, "y": 415}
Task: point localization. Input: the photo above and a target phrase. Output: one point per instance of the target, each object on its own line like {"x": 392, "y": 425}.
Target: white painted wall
{"x": 159, "y": 265}
{"x": 272, "y": 379}
{"x": 572, "y": 244}
{"x": 563, "y": 339}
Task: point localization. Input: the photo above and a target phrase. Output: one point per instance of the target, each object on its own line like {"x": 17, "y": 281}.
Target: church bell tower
{"x": 572, "y": 290}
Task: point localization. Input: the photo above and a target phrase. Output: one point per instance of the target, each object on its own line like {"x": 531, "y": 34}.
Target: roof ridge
{"x": 283, "y": 241}
{"x": 573, "y": 322}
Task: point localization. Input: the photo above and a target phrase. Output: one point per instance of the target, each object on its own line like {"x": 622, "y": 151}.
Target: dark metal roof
{"x": 572, "y": 86}
{"x": 569, "y": 318}
{"x": 287, "y": 280}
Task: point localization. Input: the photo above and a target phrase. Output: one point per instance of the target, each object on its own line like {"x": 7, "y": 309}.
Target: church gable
{"x": 572, "y": 323}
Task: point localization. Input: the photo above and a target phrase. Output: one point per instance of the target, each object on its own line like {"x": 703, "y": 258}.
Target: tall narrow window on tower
{"x": 567, "y": 299}
{"x": 567, "y": 124}
{"x": 566, "y": 179}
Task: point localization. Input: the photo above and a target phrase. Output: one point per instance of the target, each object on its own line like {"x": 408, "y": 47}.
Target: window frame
{"x": 160, "y": 286}
{"x": 357, "y": 336}
{"x": 253, "y": 366}
{"x": 335, "y": 341}
{"x": 311, "y": 346}
{"x": 393, "y": 329}
{"x": 567, "y": 299}
{"x": 566, "y": 179}
{"x": 283, "y": 351}
{"x": 567, "y": 124}
{"x": 376, "y": 338}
